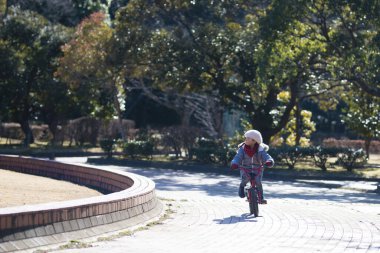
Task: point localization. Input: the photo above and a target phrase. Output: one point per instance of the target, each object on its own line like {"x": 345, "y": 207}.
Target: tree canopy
{"x": 265, "y": 58}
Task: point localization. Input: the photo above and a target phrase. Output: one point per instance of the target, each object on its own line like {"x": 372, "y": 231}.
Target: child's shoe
{"x": 241, "y": 192}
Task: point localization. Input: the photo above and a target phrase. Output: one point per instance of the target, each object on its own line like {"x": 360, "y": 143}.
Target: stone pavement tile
{"x": 31, "y": 243}
{"x": 61, "y": 237}
{"x": 44, "y": 240}
{"x": 108, "y": 218}
{"x": 40, "y": 231}
{"x": 66, "y": 226}
{"x": 58, "y": 227}
{"x": 7, "y": 238}
{"x": 87, "y": 222}
{"x": 94, "y": 220}
{"x": 74, "y": 225}
{"x": 3, "y": 247}
{"x": 49, "y": 229}
{"x": 30, "y": 233}
{"x": 102, "y": 219}
{"x": 8, "y": 247}
{"x": 81, "y": 224}
{"x": 19, "y": 236}
{"x": 114, "y": 217}
{"x": 375, "y": 247}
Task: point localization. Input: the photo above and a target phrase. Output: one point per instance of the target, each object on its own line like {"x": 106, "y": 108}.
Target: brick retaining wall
{"x": 130, "y": 196}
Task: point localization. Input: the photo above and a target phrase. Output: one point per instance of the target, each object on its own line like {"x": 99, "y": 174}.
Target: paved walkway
{"x": 207, "y": 216}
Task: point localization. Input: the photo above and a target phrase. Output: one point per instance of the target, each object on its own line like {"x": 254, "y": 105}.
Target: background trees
{"x": 267, "y": 59}
{"x": 29, "y": 46}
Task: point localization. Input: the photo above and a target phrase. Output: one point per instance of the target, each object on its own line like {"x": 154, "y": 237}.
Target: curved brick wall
{"x": 129, "y": 196}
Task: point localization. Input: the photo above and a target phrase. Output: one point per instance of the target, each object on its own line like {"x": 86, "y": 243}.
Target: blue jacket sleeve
{"x": 266, "y": 158}
{"x": 238, "y": 157}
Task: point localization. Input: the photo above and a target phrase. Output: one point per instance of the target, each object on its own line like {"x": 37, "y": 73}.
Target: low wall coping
{"x": 136, "y": 198}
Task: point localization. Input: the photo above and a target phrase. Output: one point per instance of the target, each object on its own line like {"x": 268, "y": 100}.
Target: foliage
{"x": 363, "y": 116}
{"x": 3, "y": 7}
{"x": 210, "y": 151}
{"x": 347, "y": 143}
{"x": 300, "y": 127}
{"x": 352, "y": 159}
{"x": 143, "y": 145}
{"x": 178, "y": 138}
{"x": 321, "y": 155}
{"x": 214, "y": 49}
{"x": 29, "y": 46}
{"x": 348, "y": 30}
{"x": 136, "y": 149}
{"x": 108, "y": 146}
{"x": 65, "y": 12}
{"x": 289, "y": 155}
{"x": 347, "y": 157}
{"x": 261, "y": 57}
{"x": 83, "y": 130}
{"x": 84, "y": 66}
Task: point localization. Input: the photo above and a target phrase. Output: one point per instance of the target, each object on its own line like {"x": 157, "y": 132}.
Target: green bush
{"x": 210, "y": 151}
{"x": 322, "y": 154}
{"x": 138, "y": 149}
{"x": 107, "y": 145}
{"x": 352, "y": 159}
{"x": 288, "y": 155}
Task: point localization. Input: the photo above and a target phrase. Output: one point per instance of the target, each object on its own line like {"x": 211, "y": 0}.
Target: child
{"x": 252, "y": 153}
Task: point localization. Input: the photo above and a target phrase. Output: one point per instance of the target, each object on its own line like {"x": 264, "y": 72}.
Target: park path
{"x": 205, "y": 215}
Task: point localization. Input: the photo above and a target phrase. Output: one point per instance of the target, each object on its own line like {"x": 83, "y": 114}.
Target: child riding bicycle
{"x": 252, "y": 153}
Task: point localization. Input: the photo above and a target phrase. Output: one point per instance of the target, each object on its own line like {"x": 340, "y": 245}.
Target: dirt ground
{"x": 18, "y": 189}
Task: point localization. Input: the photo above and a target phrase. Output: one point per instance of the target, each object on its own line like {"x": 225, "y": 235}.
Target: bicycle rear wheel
{"x": 253, "y": 203}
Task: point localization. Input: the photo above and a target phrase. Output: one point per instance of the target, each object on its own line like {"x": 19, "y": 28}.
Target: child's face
{"x": 249, "y": 141}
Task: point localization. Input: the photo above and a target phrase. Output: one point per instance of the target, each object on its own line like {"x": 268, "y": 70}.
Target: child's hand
{"x": 234, "y": 166}
{"x": 268, "y": 164}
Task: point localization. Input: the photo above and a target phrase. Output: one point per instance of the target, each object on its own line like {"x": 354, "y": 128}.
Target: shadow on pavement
{"x": 227, "y": 185}
{"x": 235, "y": 219}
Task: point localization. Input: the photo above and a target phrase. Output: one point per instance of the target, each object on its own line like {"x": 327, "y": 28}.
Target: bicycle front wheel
{"x": 254, "y": 203}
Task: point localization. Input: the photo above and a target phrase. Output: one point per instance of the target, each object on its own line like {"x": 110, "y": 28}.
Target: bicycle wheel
{"x": 253, "y": 203}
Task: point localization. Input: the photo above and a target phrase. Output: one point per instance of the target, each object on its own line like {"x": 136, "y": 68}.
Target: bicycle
{"x": 253, "y": 194}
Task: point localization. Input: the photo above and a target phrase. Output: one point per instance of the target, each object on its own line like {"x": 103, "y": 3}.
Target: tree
{"x": 205, "y": 110}
{"x": 363, "y": 116}
{"x": 3, "y": 8}
{"x": 299, "y": 128}
{"x": 350, "y": 32}
{"x": 212, "y": 49}
{"x": 29, "y": 45}
{"x": 87, "y": 65}
{"x": 66, "y": 12}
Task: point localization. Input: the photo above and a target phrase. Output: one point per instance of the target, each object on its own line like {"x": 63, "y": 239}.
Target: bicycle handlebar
{"x": 249, "y": 169}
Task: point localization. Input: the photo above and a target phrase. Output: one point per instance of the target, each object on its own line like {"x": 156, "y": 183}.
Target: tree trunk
{"x": 118, "y": 110}
{"x": 367, "y": 144}
{"x": 29, "y": 138}
{"x": 298, "y": 125}
{"x": 53, "y": 127}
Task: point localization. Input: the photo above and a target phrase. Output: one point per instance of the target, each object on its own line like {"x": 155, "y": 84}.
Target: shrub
{"x": 352, "y": 159}
{"x": 178, "y": 138}
{"x": 11, "y": 131}
{"x": 347, "y": 143}
{"x": 83, "y": 130}
{"x": 210, "y": 151}
{"x": 290, "y": 155}
{"x": 111, "y": 128}
{"x": 321, "y": 155}
{"x": 107, "y": 145}
{"x": 138, "y": 149}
